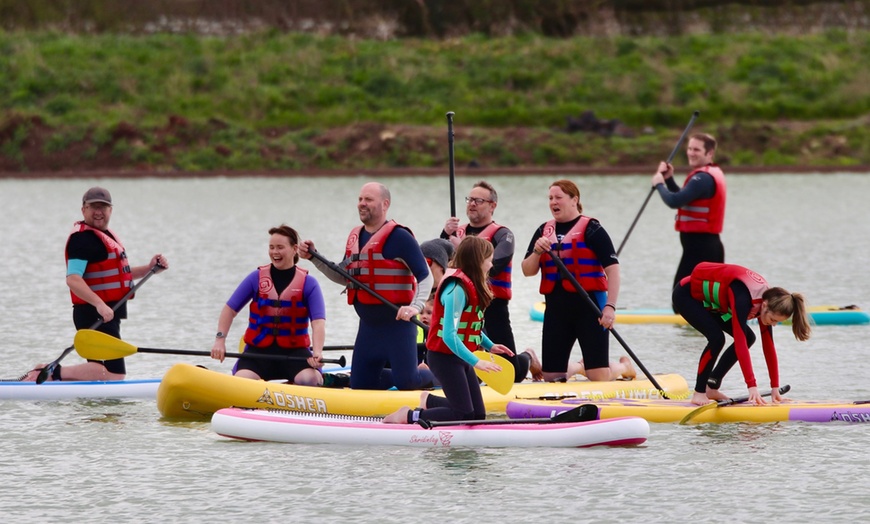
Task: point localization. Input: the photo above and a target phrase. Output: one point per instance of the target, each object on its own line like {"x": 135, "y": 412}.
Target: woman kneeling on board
{"x": 720, "y": 298}
{"x": 285, "y": 301}
{"x": 455, "y": 332}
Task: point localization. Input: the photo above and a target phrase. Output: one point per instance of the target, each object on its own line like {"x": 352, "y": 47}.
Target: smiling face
{"x": 372, "y": 205}
{"x": 562, "y": 206}
{"x": 281, "y": 252}
{"x": 97, "y": 215}
{"x": 479, "y": 207}
{"x": 696, "y": 155}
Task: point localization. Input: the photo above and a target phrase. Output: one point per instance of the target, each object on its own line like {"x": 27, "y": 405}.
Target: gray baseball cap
{"x": 97, "y": 194}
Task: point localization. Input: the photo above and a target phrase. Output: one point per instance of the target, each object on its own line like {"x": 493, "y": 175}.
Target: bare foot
{"x": 31, "y": 375}
{"x": 399, "y": 416}
{"x": 699, "y": 399}
{"x": 715, "y": 394}
{"x": 629, "y": 373}
{"x": 535, "y": 367}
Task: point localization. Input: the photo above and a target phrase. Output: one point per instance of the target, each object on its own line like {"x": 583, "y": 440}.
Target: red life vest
{"x": 577, "y": 257}
{"x": 470, "y": 320}
{"x": 111, "y": 278}
{"x": 709, "y": 283}
{"x": 501, "y": 283}
{"x": 705, "y": 215}
{"x": 392, "y": 279}
{"x": 281, "y": 320}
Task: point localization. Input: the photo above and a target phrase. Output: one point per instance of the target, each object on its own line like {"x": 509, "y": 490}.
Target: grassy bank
{"x": 291, "y": 101}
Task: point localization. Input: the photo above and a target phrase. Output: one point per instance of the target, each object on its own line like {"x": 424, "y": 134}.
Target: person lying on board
{"x": 284, "y": 302}
{"x": 587, "y": 252}
{"x": 456, "y": 332}
{"x": 720, "y": 298}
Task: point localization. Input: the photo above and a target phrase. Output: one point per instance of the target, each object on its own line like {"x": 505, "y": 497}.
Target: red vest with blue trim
{"x": 391, "y": 279}
{"x": 281, "y": 320}
{"x": 470, "y": 320}
{"x": 500, "y": 283}
{"x": 705, "y": 215}
{"x": 111, "y": 278}
{"x": 577, "y": 257}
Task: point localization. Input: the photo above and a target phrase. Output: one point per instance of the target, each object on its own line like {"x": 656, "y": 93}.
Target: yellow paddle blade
{"x": 501, "y": 381}
{"x": 242, "y": 345}
{"x": 95, "y": 345}
{"x": 697, "y": 411}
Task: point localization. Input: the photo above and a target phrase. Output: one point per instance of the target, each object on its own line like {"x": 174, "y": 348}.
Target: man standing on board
{"x": 700, "y": 205}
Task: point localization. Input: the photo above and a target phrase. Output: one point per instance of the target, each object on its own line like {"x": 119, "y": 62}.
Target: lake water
{"x": 111, "y": 461}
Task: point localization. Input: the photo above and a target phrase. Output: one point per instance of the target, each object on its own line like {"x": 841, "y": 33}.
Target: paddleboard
{"x": 191, "y": 392}
{"x": 299, "y": 428}
{"x": 659, "y": 410}
{"x": 146, "y": 388}
{"x": 820, "y": 315}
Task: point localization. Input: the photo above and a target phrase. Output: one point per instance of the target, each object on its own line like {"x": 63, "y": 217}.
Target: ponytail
{"x": 791, "y": 305}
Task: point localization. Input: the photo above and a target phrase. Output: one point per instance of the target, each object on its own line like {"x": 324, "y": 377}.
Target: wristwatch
{"x": 220, "y": 334}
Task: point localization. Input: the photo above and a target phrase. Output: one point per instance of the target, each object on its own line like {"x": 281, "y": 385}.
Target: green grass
{"x": 270, "y": 80}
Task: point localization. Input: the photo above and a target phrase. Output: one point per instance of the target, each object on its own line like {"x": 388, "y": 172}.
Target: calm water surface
{"x": 110, "y": 461}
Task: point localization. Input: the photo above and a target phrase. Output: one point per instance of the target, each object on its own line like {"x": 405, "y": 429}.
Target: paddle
{"x": 452, "y": 166}
{"x": 653, "y": 189}
{"x": 719, "y": 403}
{"x": 564, "y": 270}
{"x": 584, "y": 413}
{"x": 49, "y": 369}
{"x": 96, "y": 345}
{"x": 491, "y": 378}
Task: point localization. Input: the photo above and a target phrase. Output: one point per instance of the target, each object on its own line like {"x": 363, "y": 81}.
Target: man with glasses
{"x": 480, "y": 206}
{"x": 98, "y": 276}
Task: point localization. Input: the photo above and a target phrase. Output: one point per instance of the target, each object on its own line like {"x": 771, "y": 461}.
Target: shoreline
{"x": 567, "y": 170}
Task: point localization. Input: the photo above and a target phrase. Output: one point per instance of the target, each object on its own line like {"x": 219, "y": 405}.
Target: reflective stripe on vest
{"x": 500, "y": 283}
{"x": 470, "y": 323}
{"x": 390, "y": 278}
{"x": 111, "y": 278}
{"x": 705, "y": 215}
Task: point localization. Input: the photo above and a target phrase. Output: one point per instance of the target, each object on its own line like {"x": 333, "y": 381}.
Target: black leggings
{"x": 713, "y": 327}
{"x": 462, "y": 397}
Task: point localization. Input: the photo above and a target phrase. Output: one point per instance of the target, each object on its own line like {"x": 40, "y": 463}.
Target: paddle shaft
{"x": 49, "y": 369}
{"x": 333, "y": 266}
{"x": 653, "y": 189}
{"x": 341, "y": 361}
{"x": 451, "y": 163}
{"x": 558, "y": 261}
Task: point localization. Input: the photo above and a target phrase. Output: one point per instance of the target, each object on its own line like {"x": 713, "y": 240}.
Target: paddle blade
{"x": 95, "y": 345}
{"x": 584, "y": 413}
{"x": 697, "y": 411}
{"x": 501, "y": 381}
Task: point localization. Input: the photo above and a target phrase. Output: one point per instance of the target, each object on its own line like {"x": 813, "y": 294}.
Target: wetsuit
{"x": 713, "y": 324}
{"x": 312, "y": 298}
{"x": 497, "y": 321}
{"x": 697, "y": 246}
{"x": 568, "y": 317}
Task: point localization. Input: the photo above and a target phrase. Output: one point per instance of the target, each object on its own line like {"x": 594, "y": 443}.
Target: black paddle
{"x": 564, "y": 270}
{"x": 584, "y": 413}
{"x": 452, "y": 166}
{"x": 335, "y": 267}
{"x": 49, "y": 369}
{"x": 653, "y": 190}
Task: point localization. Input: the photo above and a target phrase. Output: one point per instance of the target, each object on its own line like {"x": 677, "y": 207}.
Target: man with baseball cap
{"x": 99, "y": 277}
